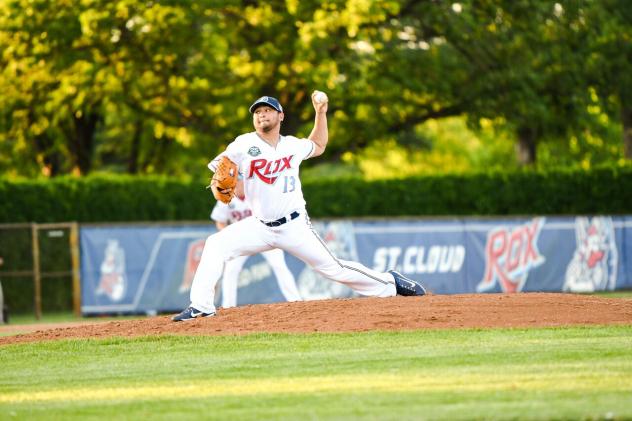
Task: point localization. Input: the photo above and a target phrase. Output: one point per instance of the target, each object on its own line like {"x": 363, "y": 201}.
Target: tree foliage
{"x": 160, "y": 87}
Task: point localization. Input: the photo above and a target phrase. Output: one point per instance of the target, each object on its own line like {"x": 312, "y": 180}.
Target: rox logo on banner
{"x": 262, "y": 168}
{"x": 510, "y": 255}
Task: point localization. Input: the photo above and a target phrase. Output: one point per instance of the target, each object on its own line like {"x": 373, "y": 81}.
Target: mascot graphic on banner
{"x": 510, "y": 254}
{"x": 594, "y": 263}
{"x": 113, "y": 281}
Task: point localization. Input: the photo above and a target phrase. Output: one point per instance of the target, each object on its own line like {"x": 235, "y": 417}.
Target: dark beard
{"x": 268, "y": 128}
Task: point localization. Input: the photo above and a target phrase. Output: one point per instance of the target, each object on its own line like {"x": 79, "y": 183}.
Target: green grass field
{"x": 561, "y": 373}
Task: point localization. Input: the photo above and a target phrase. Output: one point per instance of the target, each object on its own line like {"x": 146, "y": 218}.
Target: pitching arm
{"x": 320, "y": 132}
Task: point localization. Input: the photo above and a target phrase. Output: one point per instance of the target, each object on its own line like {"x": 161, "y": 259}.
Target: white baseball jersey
{"x": 271, "y": 183}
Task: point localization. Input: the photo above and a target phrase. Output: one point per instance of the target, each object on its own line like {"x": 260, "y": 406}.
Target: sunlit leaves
{"x": 145, "y": 86}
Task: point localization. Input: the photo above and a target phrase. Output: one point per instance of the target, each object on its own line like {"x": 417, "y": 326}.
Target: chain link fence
{"x": 39, "y": 269}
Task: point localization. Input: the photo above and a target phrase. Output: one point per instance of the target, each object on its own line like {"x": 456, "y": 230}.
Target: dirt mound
{"x": 363, "y": 314}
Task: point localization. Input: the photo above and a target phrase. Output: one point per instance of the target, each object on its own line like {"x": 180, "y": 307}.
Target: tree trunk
{"x": 83, "y": 142}
{"x": 45, "y": 147}
{"x": 51, "y": 158}
{"x": 155, "y": 156}
{"x": 626, "y": 119}
{"x": 52, "y": 162}
{"x": 290, "y": 125}
{"x": 526, "y": 146}
{"x": 132, "y": 164}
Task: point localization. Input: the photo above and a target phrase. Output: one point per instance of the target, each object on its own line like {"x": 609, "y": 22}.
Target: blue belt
{"x": 281, "y": 221}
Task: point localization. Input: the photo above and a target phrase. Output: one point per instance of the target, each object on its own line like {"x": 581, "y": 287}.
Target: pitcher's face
{"x": 266, "y": 118}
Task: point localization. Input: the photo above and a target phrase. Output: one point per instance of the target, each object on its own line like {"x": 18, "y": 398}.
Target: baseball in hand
{"x": 320, "y": 97}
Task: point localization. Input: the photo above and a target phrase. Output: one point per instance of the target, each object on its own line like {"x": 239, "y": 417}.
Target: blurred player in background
{"x": 226, "y": 214}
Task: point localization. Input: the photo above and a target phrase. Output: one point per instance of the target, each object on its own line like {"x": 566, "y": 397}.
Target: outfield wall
{"x": 148, "y": 268}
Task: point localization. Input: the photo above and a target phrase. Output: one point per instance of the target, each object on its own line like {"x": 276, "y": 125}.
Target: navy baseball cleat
{"x": 190, "y": 314}
{"x": 405, "y": 286}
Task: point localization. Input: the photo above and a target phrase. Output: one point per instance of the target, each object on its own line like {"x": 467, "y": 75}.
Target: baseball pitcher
{"x": 268, "y": 163}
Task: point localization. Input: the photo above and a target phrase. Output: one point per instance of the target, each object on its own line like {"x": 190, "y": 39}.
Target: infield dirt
{"x": 363, "y": 314}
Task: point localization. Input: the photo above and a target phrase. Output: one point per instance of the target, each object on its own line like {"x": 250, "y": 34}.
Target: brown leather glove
{"x": 224, "y": 180}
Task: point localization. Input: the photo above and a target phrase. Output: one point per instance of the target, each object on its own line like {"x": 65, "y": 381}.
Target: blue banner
{"x": 139, "y": 268}
{"x": 149, "y": 268}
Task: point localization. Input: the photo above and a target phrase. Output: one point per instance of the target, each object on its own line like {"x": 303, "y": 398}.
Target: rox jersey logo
{"x": 268, "y": 171}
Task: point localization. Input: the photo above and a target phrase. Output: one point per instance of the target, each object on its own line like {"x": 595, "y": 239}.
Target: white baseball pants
{"x": 297, "y": 237}
{"x": 276, "y": 260}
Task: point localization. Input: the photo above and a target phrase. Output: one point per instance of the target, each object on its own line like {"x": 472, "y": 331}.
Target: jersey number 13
{"x": 289, "y": 184}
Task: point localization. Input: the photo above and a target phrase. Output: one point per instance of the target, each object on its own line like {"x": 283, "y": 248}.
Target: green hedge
{"x": 103, "y": 199}
{"x": 124, "y": 198}
{"x": 561, "y": 192}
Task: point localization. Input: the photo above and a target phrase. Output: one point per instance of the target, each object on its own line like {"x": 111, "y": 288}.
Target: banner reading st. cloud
{"x": 580, "y": 254}
{"x": 141, "y": 268}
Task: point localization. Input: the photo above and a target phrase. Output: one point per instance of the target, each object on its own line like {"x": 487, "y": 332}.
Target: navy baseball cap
{"x": 266, "y": 100}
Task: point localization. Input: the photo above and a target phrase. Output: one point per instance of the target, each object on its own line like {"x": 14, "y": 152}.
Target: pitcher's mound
{"x": 363, "y": 314}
